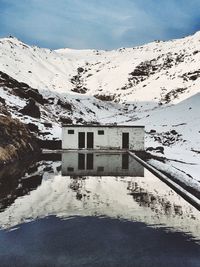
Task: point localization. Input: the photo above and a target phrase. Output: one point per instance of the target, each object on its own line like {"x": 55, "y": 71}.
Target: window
{"x": 100, "y": 132}
{"x": 70, "y": 131}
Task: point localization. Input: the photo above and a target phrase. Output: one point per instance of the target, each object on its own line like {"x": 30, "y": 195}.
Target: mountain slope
{"x": 177, "y": 130}
{"x": 44, "y": 111}
{"x": 160, "y": 72}
{"x": 182, "y": 119}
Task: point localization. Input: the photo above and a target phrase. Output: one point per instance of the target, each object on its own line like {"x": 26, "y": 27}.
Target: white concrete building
{"x": 103, "y": 137}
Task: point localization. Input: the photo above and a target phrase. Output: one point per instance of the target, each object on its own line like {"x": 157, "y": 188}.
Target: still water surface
{"x": 96, "y": 210}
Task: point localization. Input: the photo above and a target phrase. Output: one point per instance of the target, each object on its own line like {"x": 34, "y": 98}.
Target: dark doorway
{"x": 81, "y": 140}
{"x": 90, "y": 140}
{"x": 125, "y": 161}
{"x": 81, "y": 161}
{"x": 90, "y": 161}
{"x": 125, "y": 140}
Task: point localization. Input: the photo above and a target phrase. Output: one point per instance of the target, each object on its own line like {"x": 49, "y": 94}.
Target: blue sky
{"x": 99, "y": 24}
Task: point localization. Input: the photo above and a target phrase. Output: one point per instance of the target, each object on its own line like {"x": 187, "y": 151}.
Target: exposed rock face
{"x": 78, "y": 81}
{"x": 103, "y": 97}
{"x": 20, "y": 89}
{"x": 31, "y": 109}
{"x": 16, "y": 142}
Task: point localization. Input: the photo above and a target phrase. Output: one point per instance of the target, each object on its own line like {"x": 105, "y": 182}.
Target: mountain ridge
{"x": 158, "y": 70}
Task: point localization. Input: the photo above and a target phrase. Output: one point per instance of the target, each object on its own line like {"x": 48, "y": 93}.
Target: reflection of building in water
{"x": 100, "y": 164}
{"x": 103, "y": 137}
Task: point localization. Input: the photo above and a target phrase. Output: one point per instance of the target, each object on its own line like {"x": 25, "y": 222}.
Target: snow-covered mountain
{"x": 156, "y": 85}
{"x": 156, "y": 74}
{"x": 177, "y": 129}
{"x": 159, "y": 72}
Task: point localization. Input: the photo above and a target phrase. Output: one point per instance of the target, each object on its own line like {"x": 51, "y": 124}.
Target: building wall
{"x": 112, "y": 138}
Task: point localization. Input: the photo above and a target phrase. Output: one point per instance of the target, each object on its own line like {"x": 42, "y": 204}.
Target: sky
{"x": 97, "y": 24}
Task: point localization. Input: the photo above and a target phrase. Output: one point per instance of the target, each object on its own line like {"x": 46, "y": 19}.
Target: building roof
{"x": 102, "y": 126}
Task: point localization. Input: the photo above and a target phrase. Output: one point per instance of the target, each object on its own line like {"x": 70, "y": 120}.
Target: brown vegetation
{"x": 16, "y": 142}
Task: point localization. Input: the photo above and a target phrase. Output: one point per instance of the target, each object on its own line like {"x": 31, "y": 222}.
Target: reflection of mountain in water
{"x": 13, "y": 185}
{"x": 21, "y": 178}
{"x": 145, "y": 199}
{"x": 148, "y": 199}
{"x": 100, "y": 164}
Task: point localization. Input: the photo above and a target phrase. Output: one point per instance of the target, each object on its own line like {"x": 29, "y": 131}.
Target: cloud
{"x": 97, "y": 24}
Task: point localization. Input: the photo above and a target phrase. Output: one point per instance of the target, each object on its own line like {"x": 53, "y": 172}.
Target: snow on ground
{"x": 177, "y": 129}
{"x": 178, "y": 174}
{"x": 183, "y": 119}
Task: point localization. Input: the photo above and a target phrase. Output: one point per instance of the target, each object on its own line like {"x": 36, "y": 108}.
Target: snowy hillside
{"x": 160, "y": 72}
{"x": 180, "y": 122}
{"x": 44, "y": 111}
{"x": 177, "y": 130}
